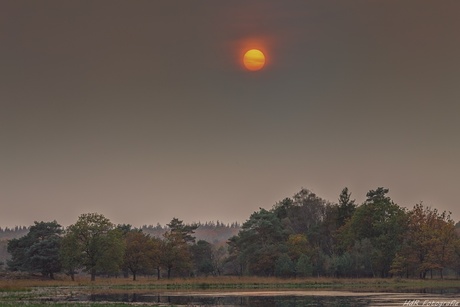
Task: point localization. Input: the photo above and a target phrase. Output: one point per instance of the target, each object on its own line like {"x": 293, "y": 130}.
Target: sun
{"x": 254, "y": 60}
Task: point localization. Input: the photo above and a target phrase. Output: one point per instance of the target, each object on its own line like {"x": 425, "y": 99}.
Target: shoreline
{"x": 230, "y": 283}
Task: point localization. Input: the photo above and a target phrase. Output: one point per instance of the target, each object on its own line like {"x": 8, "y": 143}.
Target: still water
{"x": 449, "y": 297}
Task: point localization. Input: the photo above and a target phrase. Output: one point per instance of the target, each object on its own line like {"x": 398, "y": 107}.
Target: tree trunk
{"x": 72, "y": 276}
{"x": 93, "y": 274}
{"x": 158, "y": 273}
{"x": 134, "y": 275}
{"x": 169, "y": 272}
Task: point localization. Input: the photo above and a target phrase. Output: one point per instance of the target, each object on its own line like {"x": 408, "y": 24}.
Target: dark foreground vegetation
{"x": 299, "y": 237}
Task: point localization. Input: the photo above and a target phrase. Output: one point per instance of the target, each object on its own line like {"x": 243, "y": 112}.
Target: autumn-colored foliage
{"x": 303, "y": 236}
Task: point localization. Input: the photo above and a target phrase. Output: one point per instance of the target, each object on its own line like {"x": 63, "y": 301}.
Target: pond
{"x": 446, "y": 297}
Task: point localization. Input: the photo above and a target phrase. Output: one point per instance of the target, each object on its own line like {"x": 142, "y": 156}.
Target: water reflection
{"x": 254, "y": 301}
{"x": 439, "y": 291}
{"x": 283, "y": 299}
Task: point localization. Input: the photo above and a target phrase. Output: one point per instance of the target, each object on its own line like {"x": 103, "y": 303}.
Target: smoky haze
{"x": 142, "y": 111}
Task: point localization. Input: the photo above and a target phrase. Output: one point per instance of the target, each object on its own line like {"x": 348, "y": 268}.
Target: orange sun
{"x": 254, "y": 59}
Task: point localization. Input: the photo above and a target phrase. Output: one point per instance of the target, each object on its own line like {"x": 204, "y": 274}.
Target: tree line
{"x": 298, "y": 237}
{"x": 10, "y": 233}
{"x": 308, "y": 236}
{"x": 97, "y": 246}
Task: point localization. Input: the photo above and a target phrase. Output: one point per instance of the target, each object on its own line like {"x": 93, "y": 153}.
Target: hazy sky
{"x": 142, "y": 110}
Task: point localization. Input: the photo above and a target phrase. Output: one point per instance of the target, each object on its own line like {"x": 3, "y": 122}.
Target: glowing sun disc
{"x": 254, "y": 59}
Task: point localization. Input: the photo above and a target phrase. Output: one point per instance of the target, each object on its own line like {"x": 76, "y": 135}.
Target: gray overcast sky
{"x": 142, "y": 111}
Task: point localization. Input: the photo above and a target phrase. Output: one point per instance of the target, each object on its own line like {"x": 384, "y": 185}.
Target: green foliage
{"x": 282, "y": 208}
{"x": 297, "y": 245}
{"x": 399, "y": 266}
{"x": 259, "y": 243}
{"x": 319, "y": 262}
{"x": 181, "y": 231}
{"x": 362, "y": 254}
{"x": 176, "y": 247}
{"x": 342, "y": 265}
{"x": 126, "y": 228}
{"x": 305, "y": 214}
{"x": 284, "y": 266}
{"x": 38, "y": 251}
{"x": 346, "y": 207}
{"x": 98, "y": 245}
{"x": 300, "y": 236}
{"x": 202, "y": 255}
{"x": 69, "y": 254}
{"x": 18, "y": 251}
{"x": 325, "y": 234}
{"x": 340, "y": 239}
{"x": 303, "y": 266}
{"x": 219, "y": 257}
{"x": 43, "y": 256}
{"x": 139, "y": 249}
{"x": 381, "y": 221}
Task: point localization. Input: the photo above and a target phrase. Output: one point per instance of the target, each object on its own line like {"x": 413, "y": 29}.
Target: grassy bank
{"x": 219, "y": 283}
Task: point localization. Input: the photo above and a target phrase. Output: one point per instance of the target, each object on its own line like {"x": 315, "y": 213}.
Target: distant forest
{"x": 300, "y": 236}
{"x": 216, "y": 233}
{"x": 12, "y": 233}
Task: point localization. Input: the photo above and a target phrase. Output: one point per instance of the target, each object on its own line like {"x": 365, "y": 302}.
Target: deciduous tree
{"x": 138, "y": 252}
{"x": 70, "y": 255}
{"x": 429, "y": 242}
{"x": 99, "y": 245}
